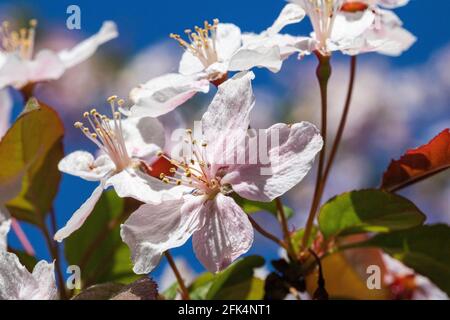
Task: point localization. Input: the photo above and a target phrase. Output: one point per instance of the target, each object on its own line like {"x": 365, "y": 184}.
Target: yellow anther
{"x": 165, "y": 180}
{"x": 93, "y": 112}
{"x": 33, "y": 23}
{"x": 112, "y": 98}
{"x": 86, "y": 114}
{"x": 78, "y": 125}
{"x": 162, "y": 175}
{"x": 159, "y": 153}
{"x": 172, "y": 170}
{"x": 94, "y": 135}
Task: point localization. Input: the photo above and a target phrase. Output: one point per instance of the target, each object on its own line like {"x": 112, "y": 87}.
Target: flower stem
{"x": 22, "y": 237}
{"x": 341, "y": 127}
{"x": 285, "y": 228}
{"x": 323, "y": 74}
{"x": 265, "y": 233}
{"x": 55, "y": 255}
{"x": 184, "y": 290}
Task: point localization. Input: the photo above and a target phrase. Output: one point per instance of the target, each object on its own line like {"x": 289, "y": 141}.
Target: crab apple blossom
{"x": 17, "y": 283}
{"x": 210, "y": 53}
{"x": 220, "y": 229}
{"x": 352, "y": 27}
{"x": 19, "y": 66}
{"x": 125, "y": 146}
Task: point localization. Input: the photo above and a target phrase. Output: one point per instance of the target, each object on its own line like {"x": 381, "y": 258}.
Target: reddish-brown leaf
{"x": 418, "y": 164}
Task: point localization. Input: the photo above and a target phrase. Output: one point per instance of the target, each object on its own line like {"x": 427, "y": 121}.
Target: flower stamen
{"x": 202, "y": 42}
{"x": 107, "y": 133}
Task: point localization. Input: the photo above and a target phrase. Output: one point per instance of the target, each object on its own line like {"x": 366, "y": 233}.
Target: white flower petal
{"x": 349, "y": 26}
{"x": 5, "y": 225}
{"x": 190, "y": 64}
{"x": 289, "y": 159}
{"x": 87, "y": 48}
{"x": 163, "y": 94}
{"x": 83, "y": 165}
{"x": 13, "y": 71}
{"x": 45, "y": 66}
{"x": 228, "y": 40}
{"x": 261, "y": 57}
{"x": 143, "y": 136}
{"x": 153, "y": 229}
{"x": 291, "y": 13}
{"x": 134, "y": 184}
{"x": 44, "y": 275}
{"x": 227, "y": 234}
{"x": 80, "y": 216}
{"x": 229, "y": 111}
{"x": 6, "y": 105}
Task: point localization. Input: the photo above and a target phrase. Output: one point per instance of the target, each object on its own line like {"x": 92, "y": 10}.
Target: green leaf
{"x": 297, "y": 238}
{"x": 237, "y": 281}
{"x": 367, "y": 211}
{"x": 97, "y": 247}
{"x": 426, "y": 249}
{"x": 29, "y": 156}
{"x": 197, "y": 290}
{"x": 250, "y": 206}
{"x": 28, "y": 261}
{"x": 200, "y": 287}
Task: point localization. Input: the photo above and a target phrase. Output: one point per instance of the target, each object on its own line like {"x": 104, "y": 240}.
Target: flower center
{"x": 322, "y": 14}
{"x": 201, "y": 42}
{"x": 107, "y": 133}
{"x": 194, "y": 170}
{"x": 20, "y": 42}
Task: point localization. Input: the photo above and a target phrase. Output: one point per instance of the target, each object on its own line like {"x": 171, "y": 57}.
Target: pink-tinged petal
{"x": 82, "y": 164}
{"x": 142, "y": 187}
{"x": 80, "y": 216}
{"x": 163, "y": 94}
{"x": 291, "y": 13}
{"x": 143, "y": 137}
{"x": 153, "y": 229}
{"x": 291, "y": 152}
{"x": 226, "y": 234}
{"x": 45, "y": 66}
{"x": 16, "y": 283}
{"x": 230, "y": 109}
{"x": 6, "y": 105}
{"x": 85, "y": 49}
{"x": 261, "y": 57}
{"x": 228, "y": 40}
{"x": 44, "y": 275}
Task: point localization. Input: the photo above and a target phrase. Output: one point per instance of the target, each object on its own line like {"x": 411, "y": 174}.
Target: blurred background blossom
{"x": 398, "y": 103}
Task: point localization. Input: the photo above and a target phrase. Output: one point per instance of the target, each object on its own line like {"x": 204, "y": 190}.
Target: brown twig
{"x": 184, "y": 290}
{"x": 265, "y": 233}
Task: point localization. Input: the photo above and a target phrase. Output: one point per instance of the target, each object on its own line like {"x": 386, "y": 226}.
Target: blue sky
{"x": 142, "y": 23}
